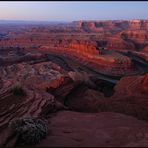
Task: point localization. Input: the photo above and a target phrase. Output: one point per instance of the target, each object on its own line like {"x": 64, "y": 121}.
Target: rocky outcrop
{"x": 77, "y": 92}
{"x": 106, "y": 129}
{"x": 114, "y": 24}
{"x": 17, "y": 106}
{"x": 83, "y": 47}
{"x": 41, "y": 74}
{"x": 130, "y": 97}
{"x": 34, "y": 80}
{"x": 84, "y": 99}
{"x": 64, "y": 89}
{"x": 132, "y": 85}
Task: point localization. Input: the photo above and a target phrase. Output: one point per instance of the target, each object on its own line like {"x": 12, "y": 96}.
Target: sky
{"x": 72, "y": 11}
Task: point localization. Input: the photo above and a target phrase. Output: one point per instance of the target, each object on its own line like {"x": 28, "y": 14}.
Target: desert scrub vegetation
{"x": 29, "y": 130}
{"x": 17, "y": 90}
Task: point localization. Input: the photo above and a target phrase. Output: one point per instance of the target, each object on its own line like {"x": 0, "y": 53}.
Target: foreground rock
{"x": 36, "y": 102}
{"x": 131, "y": 94}
{"x": 99, "y": 129}
{"x": 130, "y": 97}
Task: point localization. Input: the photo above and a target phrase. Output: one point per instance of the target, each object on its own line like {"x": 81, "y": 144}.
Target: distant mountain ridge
{"x": 111, "y": 24}
{"x": 78, "y": 23}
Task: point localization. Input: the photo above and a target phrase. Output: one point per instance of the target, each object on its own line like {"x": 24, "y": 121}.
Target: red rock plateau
{"x": 89, "y": 79}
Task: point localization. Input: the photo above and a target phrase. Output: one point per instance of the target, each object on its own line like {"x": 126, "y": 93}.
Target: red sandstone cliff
{"x": 125, "y": 24}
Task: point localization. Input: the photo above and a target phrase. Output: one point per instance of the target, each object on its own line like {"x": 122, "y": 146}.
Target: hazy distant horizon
{"x": 73, "y": 11}
{"x": 66, "y": 21}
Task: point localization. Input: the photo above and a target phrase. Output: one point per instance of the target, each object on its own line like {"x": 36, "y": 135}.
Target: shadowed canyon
{"x": 83, "y": 83}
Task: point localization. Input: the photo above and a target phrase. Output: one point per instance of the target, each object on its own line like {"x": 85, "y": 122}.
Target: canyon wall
{"x": 115, "y": 24}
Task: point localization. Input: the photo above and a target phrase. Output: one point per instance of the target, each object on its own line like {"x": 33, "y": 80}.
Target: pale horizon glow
{"x": 72, "y": 11}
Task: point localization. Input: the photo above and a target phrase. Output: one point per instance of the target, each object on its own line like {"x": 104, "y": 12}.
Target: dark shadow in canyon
{"x": 80, "y": 96}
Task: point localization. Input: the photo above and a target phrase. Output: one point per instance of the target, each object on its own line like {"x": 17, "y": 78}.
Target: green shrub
{"x": 29, "y": 130}
{"x": 17, "y": 91}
